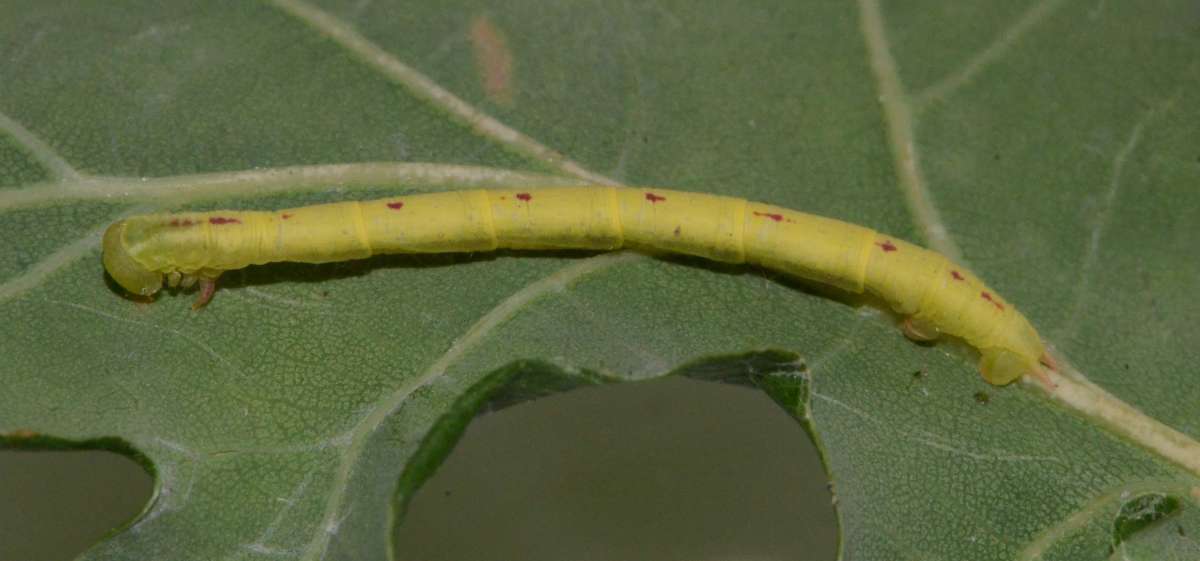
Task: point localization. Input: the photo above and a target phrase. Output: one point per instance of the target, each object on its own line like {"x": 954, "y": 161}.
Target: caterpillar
{"x": 934, "y": 295}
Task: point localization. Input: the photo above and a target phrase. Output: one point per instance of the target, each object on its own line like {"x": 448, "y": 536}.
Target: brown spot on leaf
{"x": 493, "y": 60}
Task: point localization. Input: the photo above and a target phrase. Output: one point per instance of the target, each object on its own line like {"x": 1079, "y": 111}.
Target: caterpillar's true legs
{"x": 208, "y": 287}
{"x": 919, "y": 330}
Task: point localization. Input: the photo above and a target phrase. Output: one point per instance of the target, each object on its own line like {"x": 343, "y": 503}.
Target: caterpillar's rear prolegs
{"x": 1049, "y": 361}
{"x": 174, "y": 278}
{"x": 920, "y": 330}
{"x": 1044, "y": 377}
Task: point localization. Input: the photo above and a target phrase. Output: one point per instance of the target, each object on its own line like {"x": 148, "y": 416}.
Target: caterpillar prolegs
{"x": 934, "y": 295}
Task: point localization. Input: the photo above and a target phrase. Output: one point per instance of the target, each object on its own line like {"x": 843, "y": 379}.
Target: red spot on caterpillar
{"x": 654, "y": 199}
{"x": 493, "y": 60}
{"x": 396, "y": 205}
{"x": 286, "y": 215}
{"x": 222, "y": 220}
{"x": 957, "y": 275}
{"x": 178, "y": 222}
{"x": 988, "y": 296}
{"x": 525, "y": 197}
{"x": 772, "y": 216}
{"x": 887, "y": 246}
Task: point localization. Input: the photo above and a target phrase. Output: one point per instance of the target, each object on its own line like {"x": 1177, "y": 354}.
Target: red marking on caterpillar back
{"x": 223, "y": 220}
{"x": 286, "y": 215}
{"x": 654, "y": 199}
{"x": 396, "y": 205}
{"x": 525, "y": 197}
{"x": 887, "y": 246}
{"x": 177, "y": 222}
{"x": 988, "y": 296}
{"x": 772, "y": 216}
{"x": 957, "y": 275}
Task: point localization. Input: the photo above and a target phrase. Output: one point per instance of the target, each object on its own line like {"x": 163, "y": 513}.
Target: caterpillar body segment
{"x": 933, "y": 294}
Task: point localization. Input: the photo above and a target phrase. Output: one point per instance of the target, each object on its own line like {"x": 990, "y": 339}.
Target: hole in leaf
{"x": 667, "y": 469}
{"x": 1140, "y": 512}
{"x": 57, "y": 504}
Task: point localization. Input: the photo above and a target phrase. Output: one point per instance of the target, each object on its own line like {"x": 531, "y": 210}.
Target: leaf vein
{"x": 948, "y": 85}
{"x": 1104, "y": 216}
{"x": 55, "y": 164}
{"x": 423, "y": 87}
{"x": 181, "y": 189}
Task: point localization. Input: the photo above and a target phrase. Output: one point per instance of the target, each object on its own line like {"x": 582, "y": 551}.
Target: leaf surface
{"x": 1051, "y": 146}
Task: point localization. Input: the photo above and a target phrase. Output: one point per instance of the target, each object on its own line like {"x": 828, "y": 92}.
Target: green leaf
{"x": 1051, "y": 146}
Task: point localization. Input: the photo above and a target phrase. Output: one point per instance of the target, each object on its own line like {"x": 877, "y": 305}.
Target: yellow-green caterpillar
{"x": 934, "y": 295}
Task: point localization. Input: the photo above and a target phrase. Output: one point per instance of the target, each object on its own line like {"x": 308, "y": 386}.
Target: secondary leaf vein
{"x": 422, "y": 86}
{"x": 54, "y": 163}
{"x": 1036, "y": 14}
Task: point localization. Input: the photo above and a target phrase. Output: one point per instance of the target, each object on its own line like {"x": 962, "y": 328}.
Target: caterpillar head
{"x": 127, "y": 271}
